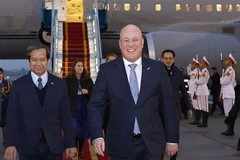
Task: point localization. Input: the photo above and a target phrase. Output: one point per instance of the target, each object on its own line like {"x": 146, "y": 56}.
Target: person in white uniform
{"x": 193, "y": 70}
{"x": 228, "y": 83}
{"x": 202, "y": 91}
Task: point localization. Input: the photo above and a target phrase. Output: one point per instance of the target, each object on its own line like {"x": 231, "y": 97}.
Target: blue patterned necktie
{"x": 135, "y": 92}
{"x": 40, "y": 85}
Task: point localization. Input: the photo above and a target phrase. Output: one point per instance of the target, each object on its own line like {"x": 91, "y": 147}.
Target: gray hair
{"x": 36, "y": 47}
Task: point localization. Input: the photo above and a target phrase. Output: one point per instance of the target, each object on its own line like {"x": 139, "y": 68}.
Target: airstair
{"x": 72, "y": 36}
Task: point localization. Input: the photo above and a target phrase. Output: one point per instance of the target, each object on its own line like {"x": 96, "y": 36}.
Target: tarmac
{"x": 201, "y": 143}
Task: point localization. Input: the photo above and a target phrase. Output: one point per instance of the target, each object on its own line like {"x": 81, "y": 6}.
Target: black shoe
{"x": 223, "y": 133}
{"x": 228, "y": 133}
{"x": 238, "y": 145}
{"x": 80, "y": 155}
{"x": 202, "y": 125}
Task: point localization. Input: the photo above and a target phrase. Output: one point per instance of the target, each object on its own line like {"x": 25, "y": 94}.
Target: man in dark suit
{"x": 38, "y": 112}
{"x": 5, "y": 88}
{"x": 215, "y": 91}
{"x": 142, "y": 122}
{"x": 178, "y": 86}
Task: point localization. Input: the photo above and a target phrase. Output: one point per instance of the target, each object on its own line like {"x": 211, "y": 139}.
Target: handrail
{"x": 52, "y": 39}
{"x": 98, "y": 36}
{"x": 53, "y": 36}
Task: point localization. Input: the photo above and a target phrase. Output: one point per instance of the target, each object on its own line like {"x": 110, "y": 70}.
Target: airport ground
{"x": 201, "y": 143}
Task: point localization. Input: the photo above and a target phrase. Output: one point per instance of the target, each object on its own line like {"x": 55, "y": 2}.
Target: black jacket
{"x": 179, "y": 89}
{"x": 216, "y": 86}
{"x": 72, "y": 83}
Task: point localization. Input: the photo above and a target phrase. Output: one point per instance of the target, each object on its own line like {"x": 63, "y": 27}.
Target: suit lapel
{"x": 121, "y": 78}
{"x": 144, "y": 85}
{"x": 50, "y": 91}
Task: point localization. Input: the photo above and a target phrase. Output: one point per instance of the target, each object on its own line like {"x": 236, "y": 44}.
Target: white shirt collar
{"x": 44, "y": 78}
{"x": 138, "y": 62}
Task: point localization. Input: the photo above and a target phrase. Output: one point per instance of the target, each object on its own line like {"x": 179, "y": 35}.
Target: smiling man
{"x": 142, "y": 122}
{"x": 38, "y": 112}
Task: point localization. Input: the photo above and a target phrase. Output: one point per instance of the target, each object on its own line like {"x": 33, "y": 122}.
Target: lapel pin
{"x": 148, "y": 68}
{"x": 52, "y": 83}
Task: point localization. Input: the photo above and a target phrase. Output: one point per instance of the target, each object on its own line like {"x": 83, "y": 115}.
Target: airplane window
{"x": 209, "y": 7}
{"x": 198, "y": 7}
{"x": 238, "y": 7}
{"x": 178, "y": 7}
{"x": 107, "y": 7}
{"x": 137, "y": 7}
{"x": 219, "y": 7}
{"x": 158, "y": 7}
{"x": 99, "y": 6}
{"x": 188, "y": 7}
{"x": 127, "y": 7}
{"x": 116, "y": 7}
{"x": 229, "y": 7}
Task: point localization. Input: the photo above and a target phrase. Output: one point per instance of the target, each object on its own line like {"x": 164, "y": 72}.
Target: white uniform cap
{"x": 194, "y": 60}
{"x": 205, "y": 60}
{"x": 233, "y": 59}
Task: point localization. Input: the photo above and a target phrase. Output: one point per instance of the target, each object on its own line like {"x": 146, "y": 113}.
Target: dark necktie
{"x": 40, "y": 85}
{"x": 135, "y": 92}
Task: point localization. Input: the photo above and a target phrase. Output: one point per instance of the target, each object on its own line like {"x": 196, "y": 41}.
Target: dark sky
{"x": 14, "y": 64}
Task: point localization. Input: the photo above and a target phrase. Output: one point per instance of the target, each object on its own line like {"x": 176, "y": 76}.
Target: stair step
{"x": 78, "y": 42}
{"x": 74, "y": 55}
{"x": 74, "y": 51}
{"x": 74, "y": 24}
{"x": 75, "y": 45}
{"x": 74, "y": 37}
{"x": 72, "y": 58}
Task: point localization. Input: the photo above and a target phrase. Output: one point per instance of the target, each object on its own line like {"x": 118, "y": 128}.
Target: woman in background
{"x": 79, "y": 88}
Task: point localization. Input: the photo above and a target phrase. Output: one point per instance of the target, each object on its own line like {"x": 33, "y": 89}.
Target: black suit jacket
{"x": 5, "y": 91}
{"x": 154, "y": 109}
{"x": 26, "y": 119}
{"x": 72, "y": 83}
{"x": 216, "y": 86}
{"x": 178, "y": 87}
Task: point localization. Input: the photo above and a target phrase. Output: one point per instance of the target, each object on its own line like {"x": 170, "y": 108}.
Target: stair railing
{"x": 53, "y": 45}
{"x": 98, "y": 37}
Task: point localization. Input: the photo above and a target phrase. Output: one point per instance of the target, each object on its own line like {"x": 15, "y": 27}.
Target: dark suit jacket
{"x": 26, "y": 119}
{"x": 6, "y": 86}
{"x": 72, "y": 84}
{"x": 178, "y": 87}
{"x": 154, "y": 109}
{"x": 5, "y": 89}
{"x": 216, "y": 86}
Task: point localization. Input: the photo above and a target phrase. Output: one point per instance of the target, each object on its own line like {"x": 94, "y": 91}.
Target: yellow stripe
{"x": 84, "y": 45}
{"x": 66, "y": 45}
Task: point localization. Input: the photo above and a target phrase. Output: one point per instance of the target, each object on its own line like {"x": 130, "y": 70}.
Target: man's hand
{"x": 171, "y": 149}
{"x": 84, "y": 91}
{"x": 10, "y": 153}
{"x": 71, "y": 152}
{"x": 190, "y": 113}
{"x": 221, "y": 96}
{"x": 99, "y": 146}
